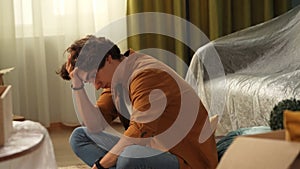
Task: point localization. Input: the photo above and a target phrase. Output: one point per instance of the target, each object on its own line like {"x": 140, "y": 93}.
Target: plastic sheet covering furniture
{"x": 29, "y": 147}
{"x": 260, "y": 67}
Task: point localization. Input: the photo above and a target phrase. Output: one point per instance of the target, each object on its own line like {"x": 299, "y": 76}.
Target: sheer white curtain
{"x": 34, "y": 35}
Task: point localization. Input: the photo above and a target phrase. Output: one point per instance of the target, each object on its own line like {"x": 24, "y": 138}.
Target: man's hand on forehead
{"x": 83, "y": 76}
{"x": 76, "y": 77}
{"x": 69, "y": 65}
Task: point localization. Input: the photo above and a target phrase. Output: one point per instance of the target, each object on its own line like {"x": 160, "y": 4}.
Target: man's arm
{"x": 90, "y": 114}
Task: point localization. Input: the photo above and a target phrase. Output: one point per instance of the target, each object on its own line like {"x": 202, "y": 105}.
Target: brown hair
{"x": 92, "y": 52}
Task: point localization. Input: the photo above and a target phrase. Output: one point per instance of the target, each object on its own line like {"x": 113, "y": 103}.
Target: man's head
{"x": 90, "y": 54}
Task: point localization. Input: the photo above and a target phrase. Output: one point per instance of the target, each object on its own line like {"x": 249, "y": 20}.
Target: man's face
{"x": 87, "y": 77}
{"x": 99, "y": 79}
{"x": 105, "y": 74}
{"x": 103, "y": 78}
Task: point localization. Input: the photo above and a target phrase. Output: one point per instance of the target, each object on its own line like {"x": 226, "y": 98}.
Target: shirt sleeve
{"x": 154, "y": 116}
{"x": 106, "y": 105}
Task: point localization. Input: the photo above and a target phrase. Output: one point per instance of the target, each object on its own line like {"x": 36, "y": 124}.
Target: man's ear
{"x": 109, "y": 59}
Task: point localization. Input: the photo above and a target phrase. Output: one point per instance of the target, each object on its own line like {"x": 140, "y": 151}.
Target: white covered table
{"x": 29, "y": 147}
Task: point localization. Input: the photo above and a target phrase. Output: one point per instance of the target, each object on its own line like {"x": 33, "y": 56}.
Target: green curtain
{"x": 227, "y": 16}
{"x": 215, "y": 18}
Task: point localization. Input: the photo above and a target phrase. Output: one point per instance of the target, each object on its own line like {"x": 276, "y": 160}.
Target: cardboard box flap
{"x": 5, "y": 113}
{"x": 274, "y": 135}
{"x": 258, "y": 153}
{"x": 4, "y": 71}
{"x": 4, "y": 90}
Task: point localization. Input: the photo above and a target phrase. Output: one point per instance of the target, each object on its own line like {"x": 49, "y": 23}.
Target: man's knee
{"x": 77, "y": 138}
{"x": 77, "y": 134}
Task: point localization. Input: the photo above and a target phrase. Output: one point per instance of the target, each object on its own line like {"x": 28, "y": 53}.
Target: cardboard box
{"x": 3, "y": 72}
{"x": 6, "y": 115}
{"x": 262, "y": 151}
{"x": 1, "y": 79}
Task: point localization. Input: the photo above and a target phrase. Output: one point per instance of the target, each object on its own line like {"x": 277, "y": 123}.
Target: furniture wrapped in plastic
{"x": 243, "y": 75}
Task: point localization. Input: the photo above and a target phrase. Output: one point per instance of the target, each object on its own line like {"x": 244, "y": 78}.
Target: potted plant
{"x": 276, "y": 117}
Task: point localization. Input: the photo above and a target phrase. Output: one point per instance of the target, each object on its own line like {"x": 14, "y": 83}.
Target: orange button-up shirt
{"x": 190, "y": 152}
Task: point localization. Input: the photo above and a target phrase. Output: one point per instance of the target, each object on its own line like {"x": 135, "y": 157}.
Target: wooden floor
{"x": 60, "y": 139}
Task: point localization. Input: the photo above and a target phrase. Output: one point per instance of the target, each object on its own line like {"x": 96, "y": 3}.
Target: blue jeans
{"x": 89, "y": 149}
